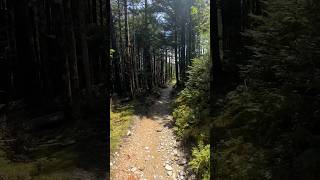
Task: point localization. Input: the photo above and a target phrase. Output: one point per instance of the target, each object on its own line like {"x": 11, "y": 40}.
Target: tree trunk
{"x": 101, "y": 12}
{"x": 26, "y": 71}
{"x": 108, "y": 63}
{"x": 72, "y": 61}
{"x": 146, "y": 52}
{"x": 214, "y": 51}
{"x": 183, "y": 53}
{"x": 176, "y": 56}
{"x": 85, "y": 54}
{"x": 94, "y": 11}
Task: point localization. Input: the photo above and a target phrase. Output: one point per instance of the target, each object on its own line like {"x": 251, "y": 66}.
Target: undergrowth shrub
{"x": 201, "y": 160}
{"x": 268, "y": 122}
{"x": 191, "y": 115}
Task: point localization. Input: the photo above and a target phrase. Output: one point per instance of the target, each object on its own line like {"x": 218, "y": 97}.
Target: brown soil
{"x": 151, "y": 150}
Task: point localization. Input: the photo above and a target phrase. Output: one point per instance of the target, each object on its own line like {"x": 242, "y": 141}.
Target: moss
{"x": 57, "y": 167}
{"x": 120, "y": 121}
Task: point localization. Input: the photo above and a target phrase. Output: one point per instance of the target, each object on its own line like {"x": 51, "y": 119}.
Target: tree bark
{"x": 85, "y": 53}
{"x": 176, "y": 56}
{"x": 214, "y": 51}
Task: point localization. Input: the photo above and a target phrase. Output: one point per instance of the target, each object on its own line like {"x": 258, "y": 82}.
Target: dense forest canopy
{"x": 152, "y": 40}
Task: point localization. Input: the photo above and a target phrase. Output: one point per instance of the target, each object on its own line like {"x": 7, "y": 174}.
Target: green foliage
{"x": 200, "y": 12}
{"x": 42, "y": 169}
{"x": 268, "y": 122}
{"x": 201, "y": 160}
{"x": 241, "y": 160}
{"x": 267, "y": 125}
{"x": 192, "y": 102}
{"x": 184, "y": 118}
{"x": 192, "y": 117}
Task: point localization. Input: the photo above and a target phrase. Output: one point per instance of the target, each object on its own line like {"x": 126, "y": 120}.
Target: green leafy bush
{"x": 191, "y": 115}
{"x": 201, "y": 160}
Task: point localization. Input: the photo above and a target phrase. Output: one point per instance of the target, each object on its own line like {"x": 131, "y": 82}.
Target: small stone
{"x": 169, "y": 173}
{"x": 168, "y": 167}
{"x": 182, "y": 161}
{"x": 146, "y": 148}
{"x": 182, "y": 173}
{"x": 129, "y": 133}
{"x": 160, "y": 129}
{"x": 175, "y": 151}
{"x": 192, "y": 177}
{"x": 141, "y": 166}
{"x": 133, "y": 169}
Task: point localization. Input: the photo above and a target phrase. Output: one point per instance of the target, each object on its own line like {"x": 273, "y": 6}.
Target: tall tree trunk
{"x": 73, "y": 58}
{"x": 183, "y": 53}
{"x": 166, "y": 73}
{"x": 108, "y": 63}
{"x": 134, "y": 55}
{"x": 26, "y": 72}
{"x": 101, "y": 12}
{"x": 128, "y": 61}
{"x": 85, "y": 54}
{"x": 146, "y": 52}
{"x": 171, "y": 67}
{"x": 94, "y": 11}
{"x": 214, "y": 51}
{"x": 121, "y": 59}
{"x": 215, "y": 71}
{"x": 176, "y": 55}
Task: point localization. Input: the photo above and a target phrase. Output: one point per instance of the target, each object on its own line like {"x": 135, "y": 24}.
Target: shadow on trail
{"x": 154, "y": 108}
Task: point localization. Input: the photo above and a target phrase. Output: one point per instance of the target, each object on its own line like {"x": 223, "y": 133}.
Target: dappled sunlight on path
{"x": 151, "y": 151}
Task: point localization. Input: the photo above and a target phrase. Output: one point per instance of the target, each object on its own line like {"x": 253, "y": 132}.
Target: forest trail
{"x": 151, "y": 150}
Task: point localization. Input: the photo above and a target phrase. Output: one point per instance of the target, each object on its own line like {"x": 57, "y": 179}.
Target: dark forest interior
{"x": 54, "y": 79}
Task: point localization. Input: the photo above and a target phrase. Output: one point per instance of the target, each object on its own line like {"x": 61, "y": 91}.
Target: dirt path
{"x": 151, "y": 150}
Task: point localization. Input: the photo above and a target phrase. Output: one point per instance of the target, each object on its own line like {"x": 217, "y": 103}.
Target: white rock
{"x": 175, "y": 151}
{"x": 182, "y": 161}
{"x": 133, "y": 169}
{"x": 129, "y": 133}
{"x": 182, "y": 173}
{"x": 169, "y": 173}
{"x": 168, "y": 167}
